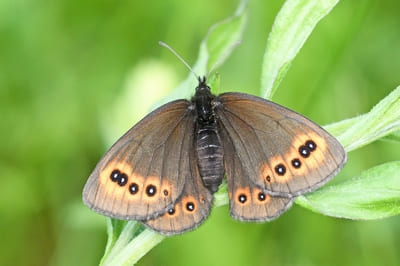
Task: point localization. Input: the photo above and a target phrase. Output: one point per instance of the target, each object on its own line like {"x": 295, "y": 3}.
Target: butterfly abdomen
{"x": 209, "y": 155}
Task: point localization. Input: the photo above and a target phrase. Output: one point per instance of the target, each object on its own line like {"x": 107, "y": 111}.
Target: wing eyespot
{"x": 133, "y": 188}
{"x": 190, "y": 206}
{"x": 123, "y": 179}
{"x": 165, "y": 192}
{"x": 151, "y": 190}
{"x": 189, "y": 203}
{"x": 304, "y": 151}
{"x": 171, "y": 211}
{"x": 296, "y": 163}
{"x": 261, "y": 196}
{"x": 310, "y": 144}
{"x": 280, "y": 169}
{"x": 242, "y": 198}
{"x": 115, "y": 175}
{"x": 120, "y": 178}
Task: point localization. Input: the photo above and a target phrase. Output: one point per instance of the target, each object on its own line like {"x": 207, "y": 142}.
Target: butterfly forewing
{"x": 280, "y": 151}
{"x": 144, "y": 172}
{"x": 194, "y": 205}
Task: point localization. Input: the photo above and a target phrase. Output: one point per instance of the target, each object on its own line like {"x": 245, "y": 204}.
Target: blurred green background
{"x": 63, "y": 66}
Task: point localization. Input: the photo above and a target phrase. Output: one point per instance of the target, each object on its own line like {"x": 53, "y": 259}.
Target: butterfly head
{"x": 202, "y": 87}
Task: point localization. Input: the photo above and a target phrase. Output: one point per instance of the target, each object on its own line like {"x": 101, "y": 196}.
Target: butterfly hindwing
{"x": 143, "y": 174}
{"x": 280, "y": 150}
{"x": 247, "y": 201}
{"x": 192, "y": 208}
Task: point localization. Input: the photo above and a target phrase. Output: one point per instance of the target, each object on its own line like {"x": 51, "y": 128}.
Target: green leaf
{"x": 223, "y": 36}
{"x": 292, "y": 26}
{"x": 374, "y": 194}
{"x": 395, "y": 136}
{"x": 382, "y": 120}
{"x": 221, "y": 196}
{"x": 214, "y": 49}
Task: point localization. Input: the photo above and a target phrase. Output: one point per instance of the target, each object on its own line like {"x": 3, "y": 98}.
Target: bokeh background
{"x": 64, "y": 64}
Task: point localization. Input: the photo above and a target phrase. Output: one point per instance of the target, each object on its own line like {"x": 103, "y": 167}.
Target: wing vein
{"x": 240, "y": 138}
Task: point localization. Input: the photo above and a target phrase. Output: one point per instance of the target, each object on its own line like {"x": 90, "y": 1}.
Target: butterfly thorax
{"x": 208, "y": 144}
{"x": 202, "y": 101}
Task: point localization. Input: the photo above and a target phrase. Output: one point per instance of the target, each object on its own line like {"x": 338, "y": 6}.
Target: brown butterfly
{"x": 165, "y": 169}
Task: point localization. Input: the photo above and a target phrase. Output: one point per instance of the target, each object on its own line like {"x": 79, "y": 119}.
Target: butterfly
{"x": 165, "y": 169}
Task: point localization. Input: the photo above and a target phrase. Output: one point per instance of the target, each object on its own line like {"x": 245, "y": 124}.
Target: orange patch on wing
{"x": 255, "y": 196}
{"x": 315, "y": 159}
{"x": 187, "y": 200}
{"x": 294, "y": 154}
{"x": 106, "y": 172}
{"x": 242, "y": 192}
{"x": 302, "y": 138}
{"x": 177, "y": 211}
{"x": 151, "y": 181}
{"x": 111, "y": 188}
{"x": 114, "y": 190}
{"x": 167, "y": 189}
{"x": 275, "y": 161}
{"x": 266, "y": 173}
{"x": 302, "y": 170}
{"x": 283, "y": 179}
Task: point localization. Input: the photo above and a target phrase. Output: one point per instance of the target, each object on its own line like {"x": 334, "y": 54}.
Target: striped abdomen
{"x": 209, "y": 155}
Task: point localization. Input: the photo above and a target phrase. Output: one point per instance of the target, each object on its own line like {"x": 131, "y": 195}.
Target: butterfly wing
{"x": 247, "y": 201}
{"x": 192, "y": 208}
{"x": 143, "y": 174}
{"x": 281, "y": 151}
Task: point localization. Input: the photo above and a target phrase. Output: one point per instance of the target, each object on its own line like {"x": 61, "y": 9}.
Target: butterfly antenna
{"x": 180, "y": 58}
{"x": 223, "y": 57}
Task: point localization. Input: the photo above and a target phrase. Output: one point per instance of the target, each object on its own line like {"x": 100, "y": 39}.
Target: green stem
{"x": 128, "y": 250}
